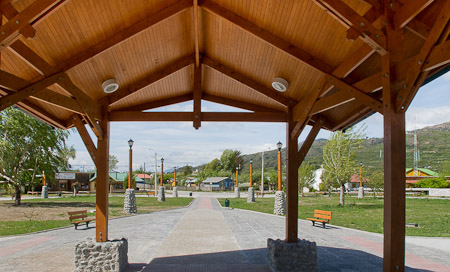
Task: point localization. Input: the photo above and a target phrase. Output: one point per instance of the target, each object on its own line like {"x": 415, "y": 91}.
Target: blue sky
{"x": 180, "y": 144}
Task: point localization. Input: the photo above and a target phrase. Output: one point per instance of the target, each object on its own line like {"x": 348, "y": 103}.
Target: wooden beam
{"x": 102, "y": 181}
{"x": 374, "y": 37}
{"x": 31, "y": 58}
{"x": 24, "y": 93}
{"x": 419, "y": 28}
{"x": 266, "y": 36}
{"x": 408, "y": 11}
{"x": 150, "y": 79}
{"x": 237, "y": 103}
{"x": 125, "y": 34}
{"x": 197, "y": 96}
{"x": 353, "y": 61}
{"x": 270, "y": 93}
{"x": 196, "y": 23}
{"x": 331, "y": 101}
{"x": 439, "y": 56}
{"x": 291, "y": 182}
{"x": 89, "y": 106}
{"x": 87, "y": 140}
{"x": 9, "y": 12}
{"x": 10, "y": 30}
{"x": 159, "y": 103}
{"x": 309, "y": 141}
{"x": 133, "y": 116}
{"x": 350, "y": 119}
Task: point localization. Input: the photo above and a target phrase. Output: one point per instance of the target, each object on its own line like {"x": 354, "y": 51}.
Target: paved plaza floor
{"x": 207, "y": 237}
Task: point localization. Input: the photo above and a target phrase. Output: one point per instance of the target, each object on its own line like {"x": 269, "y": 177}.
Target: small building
{"x": 64, "y": 181}
{"x": 413, "y": 175}
{"x": 147, "y": 180}
{"x": 354, "y": 183}
{"x": 217, "y": 184}
{"x": 115, "y": 181}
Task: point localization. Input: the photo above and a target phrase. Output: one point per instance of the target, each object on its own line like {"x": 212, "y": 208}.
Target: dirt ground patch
{"x": 31, "y": 211}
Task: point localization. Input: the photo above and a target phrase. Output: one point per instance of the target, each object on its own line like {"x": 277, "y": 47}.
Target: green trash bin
{"x": 227, "y": 203}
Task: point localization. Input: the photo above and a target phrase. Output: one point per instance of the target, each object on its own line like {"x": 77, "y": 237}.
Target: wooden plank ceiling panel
{"x": 53, "y": 110}
{"x": 220, "y": 85}
{"x": 176, "y": 84}
{"x": 13, "y": 64}
{"x": 255, "y": 58}
{"x": 79, "y": 25}
{"x": 135, "y": 58}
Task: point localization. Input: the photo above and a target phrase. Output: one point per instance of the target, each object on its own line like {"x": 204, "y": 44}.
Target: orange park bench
{"x": 79, "y": 217}
{"x": 149, "y": 193}
{"x": 323, "y": 217}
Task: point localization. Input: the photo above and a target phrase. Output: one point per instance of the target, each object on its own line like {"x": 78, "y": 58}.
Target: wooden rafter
{"x": 149, "y": 79}
{"x": 439, "y": 56}
{"x": 374, "y": 37}
{"x": 196, "y": 24}
{"x": 9, "y": 12}
{"x": 84, "y": 134}
{"x": 350, "y": 119}
{"x": 274, "y": 95}
{"x": 159, "y": 103}
{"x": 134, "y": 116}
{"x": 309, "y": 140}
{"x": 31, "y": 58}
{"x": 409, "y": 10}
{"x": 42, "y": 114}
{"x": 197, "y": 97}
{"x": 10, "y": 30}
{"x": 237, "y": 103}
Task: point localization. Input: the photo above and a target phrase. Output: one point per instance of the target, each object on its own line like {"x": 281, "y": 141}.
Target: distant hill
{"x": 433, "y": 144}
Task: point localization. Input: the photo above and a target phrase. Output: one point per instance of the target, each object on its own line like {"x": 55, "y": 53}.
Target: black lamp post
{"x": 162, "y": 170}
{"x": 130, "y": 144}
{"x": 279, "y": 145}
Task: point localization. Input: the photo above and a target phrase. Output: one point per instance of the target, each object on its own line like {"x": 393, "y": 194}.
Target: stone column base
{"x": 237, "y": 193}
{"x": 279, "y": 207}
{"x": 284, "y": 256}
{"x": 251, "y": 195}
{"x": 101, "y": 256}
{"x": 129, "y": 203}
{"x": 44, "y": 193}
{"x": 161, "y": 194}
{"x": 361, "y": 192}
{"x": 175, "y": 191}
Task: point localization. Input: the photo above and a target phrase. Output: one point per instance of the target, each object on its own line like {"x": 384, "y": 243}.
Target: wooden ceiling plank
{"x": 331, "y": 101}
{"x": 77, "y": 121}
{"x": 237, "y": 103}
{"x": 89, "y": 106}
{"x": 159, "y": 103}
{"x": 42, "y": 114}
{"x": 152, "y": 78}
{"x": 10, "y": 30}
{"x": 197, "y": 97}
{"x": 418, "y": 28}
{"x": 353, "y": 61}
{"x": 266, "y": 36}
{"x": 9, "y": 12}
{"x": 410, "y": 83}
{"x": 439, "y": 56}
{"x": 351, "y": 119}
{"x": 24, "y": 93}
{"x": 408, "y": 11}
{"x": 195, "y": 20}
{"x": 370, "y": 34}
{"x": 285, "y": 101}
{"x": 124, "y": 34}
{"x": 31, "y": 58}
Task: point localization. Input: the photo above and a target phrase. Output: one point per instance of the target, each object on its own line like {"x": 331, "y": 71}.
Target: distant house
{"x": 115, "y": 181}
{"x": 146, "y": 181}
{"x": 353, "y": 184}
{"x": 413, "y": 175}
{"x": 64, "y": 181}
{"x": 217, "y": 184}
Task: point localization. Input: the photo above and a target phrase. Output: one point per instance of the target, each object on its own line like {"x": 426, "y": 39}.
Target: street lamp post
{"x": 251, "y": 173}
{"x": 236, "y": 189}
{"x": 130, "y": 144}
{"x": 280, "y": 203}
{"x": 161, "y": 195}
{"x": 175, "y": 176}
{"x": 279, "y": 145}
{"x": 251, "y": 190}
{"x": 162, "y": 171}
{"x": 361, "y": 186}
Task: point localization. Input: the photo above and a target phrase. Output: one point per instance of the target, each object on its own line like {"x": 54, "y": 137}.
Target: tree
{"x": 29, "y": 147}
{"x": 306, "y": 176}
{"x": 375, "y": 181}
{"x": 133, "y": 182}
{"x": 339, "y": 156}
{"x": 112, "y": 162}
{"x": 187, "y": 170}
{"x": 231, "y": 159}
{"x": 437, "y": 182}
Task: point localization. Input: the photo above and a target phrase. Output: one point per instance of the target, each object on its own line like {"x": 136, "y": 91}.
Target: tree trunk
{"x": 341, "y": 195}
{"x": 18, "y": 196}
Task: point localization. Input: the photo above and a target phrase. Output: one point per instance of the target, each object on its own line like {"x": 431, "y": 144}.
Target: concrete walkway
{"x": 207, "y": 237}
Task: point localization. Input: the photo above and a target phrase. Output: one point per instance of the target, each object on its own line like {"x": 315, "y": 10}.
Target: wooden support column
{"x": 292, "y": 181}
{"x": 102, "y": 178}
{"x": 197, "y": 97}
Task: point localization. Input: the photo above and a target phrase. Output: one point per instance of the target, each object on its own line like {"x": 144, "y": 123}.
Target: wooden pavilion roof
{"x": 55, "y": 55}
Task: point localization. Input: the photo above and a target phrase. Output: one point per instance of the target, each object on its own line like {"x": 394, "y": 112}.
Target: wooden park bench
{"x": 323, "y": 217}
{"x": 149, "y": 193}
{"x": 75, "y": 217}
{"x": 32, "y": 193}
{"x": 261, "y": 194}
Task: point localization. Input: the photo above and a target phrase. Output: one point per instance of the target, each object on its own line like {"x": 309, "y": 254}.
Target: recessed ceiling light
{"x": 110, "y": 86}
{"x": 280, "y": 84}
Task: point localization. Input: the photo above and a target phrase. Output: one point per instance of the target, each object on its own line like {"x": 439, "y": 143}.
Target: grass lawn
{"x": 432, "y": 215}
{"x": 41, "y": 214}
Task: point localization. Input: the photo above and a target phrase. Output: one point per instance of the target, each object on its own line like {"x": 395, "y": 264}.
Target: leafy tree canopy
{"x": 306, "y": 176}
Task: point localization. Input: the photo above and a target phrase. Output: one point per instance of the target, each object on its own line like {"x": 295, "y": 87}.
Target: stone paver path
{"x": 207, "y": 237}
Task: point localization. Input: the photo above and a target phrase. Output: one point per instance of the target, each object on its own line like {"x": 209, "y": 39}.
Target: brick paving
{"x": 207, "y": 237}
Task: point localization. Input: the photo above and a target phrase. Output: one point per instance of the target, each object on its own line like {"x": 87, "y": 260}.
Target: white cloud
{"x": 417, "y": 118}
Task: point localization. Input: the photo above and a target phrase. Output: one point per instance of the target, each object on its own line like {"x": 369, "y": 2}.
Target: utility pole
{"x": 262, "y": 174}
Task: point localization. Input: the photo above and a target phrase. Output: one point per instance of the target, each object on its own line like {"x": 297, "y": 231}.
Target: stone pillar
{"x": 175, "y": 191}
{"x": 299, "y": 256}
{"x": 280, "y": 204}
{"x": 161, "y": 194}
{"x": 361, "y": 192}
{"x": 75, "y": 191}
{"x": 251, "y": 195}
{"x": 101, "y": 256}
{"x": 237, "y": 193}
{"x": 129, "y": 203}
{"x": 44, "y": 193}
